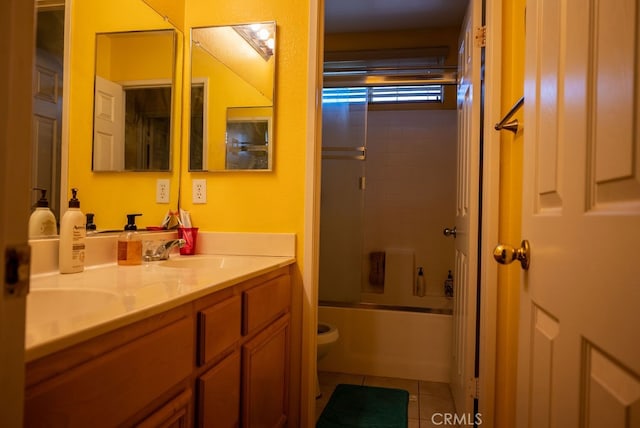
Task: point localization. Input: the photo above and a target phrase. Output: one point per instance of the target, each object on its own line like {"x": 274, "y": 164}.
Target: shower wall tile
{"x": 410, "y": 194}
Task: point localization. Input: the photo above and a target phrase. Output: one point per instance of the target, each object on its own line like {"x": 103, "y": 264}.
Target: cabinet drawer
{"x": 264, "y": 303}
{"x": 109, "y": 389}
{"x": 218, "y": 328}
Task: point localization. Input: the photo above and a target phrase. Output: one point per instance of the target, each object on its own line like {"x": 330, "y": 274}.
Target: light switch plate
{"x": 162, "y": 191}
{"x": 199, "y": 191}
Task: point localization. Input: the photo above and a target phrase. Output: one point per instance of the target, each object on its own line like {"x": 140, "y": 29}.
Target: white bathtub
{"x": 390, "y": 343}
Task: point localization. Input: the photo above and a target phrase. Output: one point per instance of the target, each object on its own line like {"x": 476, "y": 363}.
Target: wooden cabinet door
{"x": 175, "y": 414}
{"x": 219, "y": 394}
{"x": 265, "y": 365}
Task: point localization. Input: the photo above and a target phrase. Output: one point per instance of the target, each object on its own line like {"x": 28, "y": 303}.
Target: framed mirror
{"x": 232, "y": 93}
{"x": 133, "y": 101}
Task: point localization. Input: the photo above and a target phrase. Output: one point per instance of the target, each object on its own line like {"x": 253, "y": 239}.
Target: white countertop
{"x": 63, "y": 310}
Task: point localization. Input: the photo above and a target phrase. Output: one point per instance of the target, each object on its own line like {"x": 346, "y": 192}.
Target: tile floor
{"x": 425, "y": 398}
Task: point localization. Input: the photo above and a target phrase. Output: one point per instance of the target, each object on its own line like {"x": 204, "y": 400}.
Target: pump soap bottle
{"x": 42, "y": 223}
{"x": 129, "y": 243}
{"x": 72, "y": 235}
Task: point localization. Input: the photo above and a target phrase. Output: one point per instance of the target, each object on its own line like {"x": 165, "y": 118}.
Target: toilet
{"x": 327, "y": 336}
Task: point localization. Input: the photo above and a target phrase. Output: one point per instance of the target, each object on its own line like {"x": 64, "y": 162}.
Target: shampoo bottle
{"x": 420, "y": 284}
{"x": 72, "y": 235}
{"x": 129, "y": 243}
{"x": 42, "y": 223}
{"x": 448, "y": 285}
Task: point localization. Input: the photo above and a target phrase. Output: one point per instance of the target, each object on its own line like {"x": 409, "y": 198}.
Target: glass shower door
{"x": 342, "y": 197}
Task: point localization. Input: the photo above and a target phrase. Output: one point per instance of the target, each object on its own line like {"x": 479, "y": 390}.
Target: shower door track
{"x": 355, "y": 305}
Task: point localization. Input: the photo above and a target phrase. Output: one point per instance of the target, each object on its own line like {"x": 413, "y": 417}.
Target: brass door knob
{"x": 505, "y": 254}
{"x": 449, "y": 232}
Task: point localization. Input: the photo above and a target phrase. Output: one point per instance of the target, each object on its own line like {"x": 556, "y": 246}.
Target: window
{"x": 384, "y": 94}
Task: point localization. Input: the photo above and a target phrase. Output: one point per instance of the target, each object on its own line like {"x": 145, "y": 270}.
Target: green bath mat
{"x": 365, "y": 407}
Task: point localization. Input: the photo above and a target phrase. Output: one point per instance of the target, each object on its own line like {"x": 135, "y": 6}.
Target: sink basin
{"x": 70, "y": 305}
{"x": 207, "y": 262}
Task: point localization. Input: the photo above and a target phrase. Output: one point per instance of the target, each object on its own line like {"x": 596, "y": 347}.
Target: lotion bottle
{"x": 42, "y": 223}
{"x": 129, "y": 243}
{"x": 72, "y": 236}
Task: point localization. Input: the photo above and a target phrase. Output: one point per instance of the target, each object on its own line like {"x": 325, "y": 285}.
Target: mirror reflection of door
{"x": 47, "y": 103}
{"x": 133, "y": 101}
{"x": 197, "y": 134}
{"x": 147, "y": 130}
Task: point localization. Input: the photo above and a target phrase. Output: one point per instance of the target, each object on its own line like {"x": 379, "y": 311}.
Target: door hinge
{"x": 473, "y": 388}
{"x": 481, "y": 36}
{"x": 362, "y": 183}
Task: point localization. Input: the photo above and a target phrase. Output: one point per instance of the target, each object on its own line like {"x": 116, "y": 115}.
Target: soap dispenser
{"x": 129, "y": 243}
{"x": 42, "y": 223}
{"x": 72, "y": 236}
{"x": 91, "y": 226}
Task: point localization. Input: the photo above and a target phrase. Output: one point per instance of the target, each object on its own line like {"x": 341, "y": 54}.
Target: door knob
{"x": 449, "y": 232}
{"x": 505, "y": 254}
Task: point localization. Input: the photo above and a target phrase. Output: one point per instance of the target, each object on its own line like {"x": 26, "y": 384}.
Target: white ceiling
{"x": 386, "y": 15}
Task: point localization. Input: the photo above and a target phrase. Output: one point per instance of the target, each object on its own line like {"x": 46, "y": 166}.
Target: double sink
{"x": 60, "y": 306}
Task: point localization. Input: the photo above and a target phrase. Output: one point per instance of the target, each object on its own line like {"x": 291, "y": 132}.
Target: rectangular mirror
{"x": 133, "y": 101}
{"x": 232, "y": 91}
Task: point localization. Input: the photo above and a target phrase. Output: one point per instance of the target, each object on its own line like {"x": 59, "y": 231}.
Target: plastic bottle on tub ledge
{"x": 448, "y": 285}
{"x": 420, "y": 283}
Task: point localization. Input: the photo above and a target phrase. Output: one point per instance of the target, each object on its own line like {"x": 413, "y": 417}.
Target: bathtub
{"x": 390, "y": 342}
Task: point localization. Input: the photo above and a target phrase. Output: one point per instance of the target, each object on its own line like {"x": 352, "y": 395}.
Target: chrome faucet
{"x": 163, "y": 250}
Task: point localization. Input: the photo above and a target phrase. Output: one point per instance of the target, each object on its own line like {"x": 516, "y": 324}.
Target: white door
{"x": 16, "y": 44}
{"x": 108, "y": 129}
{"x": 579, "y": 343}
{"x": 466, "y": 241}
{"x": 47, "y": 128}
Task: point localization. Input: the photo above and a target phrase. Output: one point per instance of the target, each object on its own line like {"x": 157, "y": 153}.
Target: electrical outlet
{"x": 162, "y": 191}
{"x": 199, "y": 191}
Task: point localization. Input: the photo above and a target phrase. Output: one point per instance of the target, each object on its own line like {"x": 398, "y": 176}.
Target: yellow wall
{"x": 510, "y": 212}
{"x": 265, "y": 201}
{"x": 136, "y": 57}
{"x": 110, "y": 195}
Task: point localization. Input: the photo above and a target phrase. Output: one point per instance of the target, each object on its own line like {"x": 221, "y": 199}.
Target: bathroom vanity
{"x": 196, "y": 341}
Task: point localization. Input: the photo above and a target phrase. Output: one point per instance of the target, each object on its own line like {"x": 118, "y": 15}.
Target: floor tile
{"x": 333, "y": 378}
{"x": 414, "y": 407}
{"x": 386, "y": 382}
{"x": 430, "y": 404}
{"x": 440, "y": 389}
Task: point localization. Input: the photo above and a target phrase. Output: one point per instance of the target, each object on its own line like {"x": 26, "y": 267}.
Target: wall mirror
{"x": 232, "y": 91}
{"x": 133, "y": 100}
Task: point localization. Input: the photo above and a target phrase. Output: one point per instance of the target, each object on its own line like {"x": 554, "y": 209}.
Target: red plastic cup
{"x": 190, "y": 235}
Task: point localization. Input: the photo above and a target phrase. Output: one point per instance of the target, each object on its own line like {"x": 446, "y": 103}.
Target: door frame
{"x": 489, "y": 228}
{"x": 18, "y": 47}
{"x": 490, "y": 212}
